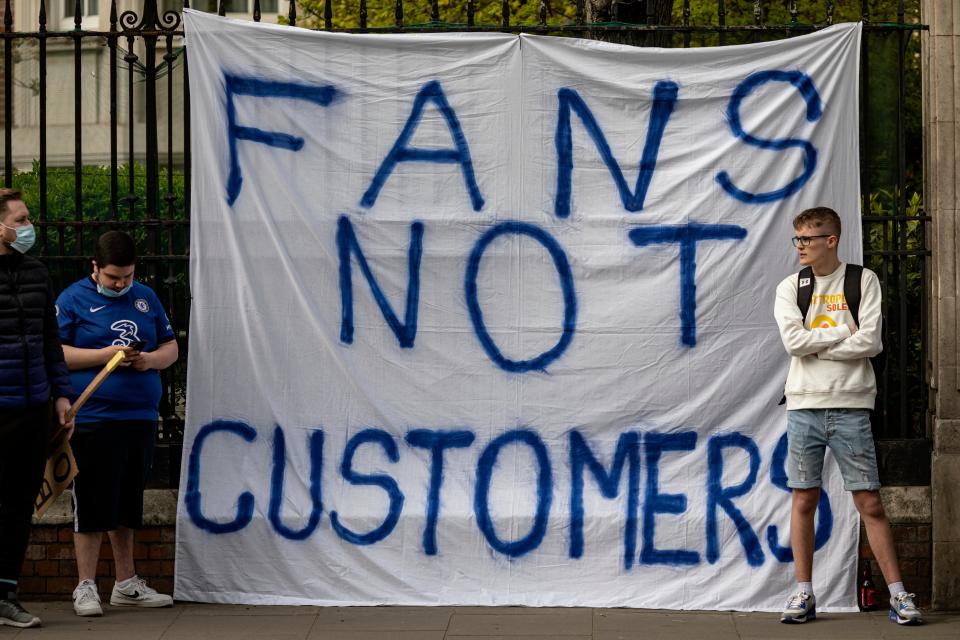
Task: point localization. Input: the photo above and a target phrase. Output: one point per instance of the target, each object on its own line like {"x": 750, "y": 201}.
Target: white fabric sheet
{"x": 557, "y": 317}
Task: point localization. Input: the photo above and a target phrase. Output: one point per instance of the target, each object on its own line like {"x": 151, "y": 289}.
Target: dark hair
{"x": 8, "y": 195}
{"x": 818, "y": 217}
{"x": 116, "y": 248}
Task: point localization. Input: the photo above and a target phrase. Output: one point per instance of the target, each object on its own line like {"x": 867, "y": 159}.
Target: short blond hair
{"x": 818, "y": 217}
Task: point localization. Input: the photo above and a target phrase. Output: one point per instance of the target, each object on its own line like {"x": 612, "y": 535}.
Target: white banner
{"x": 488, "y": 319}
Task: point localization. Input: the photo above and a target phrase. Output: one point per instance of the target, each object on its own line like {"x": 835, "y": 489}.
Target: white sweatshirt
{"x": 829, "y": 367}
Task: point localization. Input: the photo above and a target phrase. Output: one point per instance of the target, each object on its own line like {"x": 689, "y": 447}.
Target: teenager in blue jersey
{"x": 106, "y": 312}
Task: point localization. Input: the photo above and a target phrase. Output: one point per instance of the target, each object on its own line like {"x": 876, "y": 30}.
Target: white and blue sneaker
{"x": 800, "y": 608}
{"x": 903, "y": 610}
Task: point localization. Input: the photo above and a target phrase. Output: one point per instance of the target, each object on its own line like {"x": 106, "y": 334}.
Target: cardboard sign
{"x": 60, "y": 471}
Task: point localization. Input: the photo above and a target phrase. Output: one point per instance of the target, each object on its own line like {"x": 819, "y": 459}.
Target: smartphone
{"x": 138, "y": 345}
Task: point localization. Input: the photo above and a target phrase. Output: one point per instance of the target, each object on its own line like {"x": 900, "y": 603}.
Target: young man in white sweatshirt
{"x": 830, "y": 391}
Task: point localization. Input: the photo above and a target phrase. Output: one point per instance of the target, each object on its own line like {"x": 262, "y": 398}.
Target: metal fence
{"x": 121, "y": 159}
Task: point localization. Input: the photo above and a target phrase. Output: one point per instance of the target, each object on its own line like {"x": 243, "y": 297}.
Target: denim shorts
{"x": 847, "y": 432}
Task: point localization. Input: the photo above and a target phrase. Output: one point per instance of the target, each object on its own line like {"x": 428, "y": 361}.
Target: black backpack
{"x": 853, "y": 293}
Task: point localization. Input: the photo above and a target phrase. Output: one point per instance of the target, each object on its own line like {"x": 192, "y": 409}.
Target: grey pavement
{"x": 187, "y": 621}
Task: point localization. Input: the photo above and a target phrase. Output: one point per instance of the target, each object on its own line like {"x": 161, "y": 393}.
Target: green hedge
{"x": 97, "y": 213}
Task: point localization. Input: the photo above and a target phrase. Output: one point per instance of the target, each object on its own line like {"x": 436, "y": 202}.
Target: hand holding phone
{"x": 132, "y": 352}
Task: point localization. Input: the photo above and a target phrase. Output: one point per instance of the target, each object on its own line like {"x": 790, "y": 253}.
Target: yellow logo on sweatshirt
{"x": 823, "y": 322}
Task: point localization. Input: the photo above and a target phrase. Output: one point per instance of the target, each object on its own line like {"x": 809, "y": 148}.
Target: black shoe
{"x": 13, "y": 614}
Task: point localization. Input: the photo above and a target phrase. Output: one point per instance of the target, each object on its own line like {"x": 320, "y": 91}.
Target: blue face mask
{"x": 110, "y": 293}
{"x": 26, "y": 237}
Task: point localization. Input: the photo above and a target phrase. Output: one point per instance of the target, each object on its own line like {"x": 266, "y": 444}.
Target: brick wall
{"x": 50, "y": 568}
{"x": 914, "y": 550}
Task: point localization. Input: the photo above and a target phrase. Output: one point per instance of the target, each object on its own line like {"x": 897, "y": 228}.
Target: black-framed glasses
{"x": 804, "y": 241}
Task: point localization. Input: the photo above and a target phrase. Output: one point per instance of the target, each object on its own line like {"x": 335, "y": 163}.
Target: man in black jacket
{"x": 33, "y": 384}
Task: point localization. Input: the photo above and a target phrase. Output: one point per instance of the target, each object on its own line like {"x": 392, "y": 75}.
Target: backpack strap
{"x": 852, "y": 290}
{"x": 805, "y": 282}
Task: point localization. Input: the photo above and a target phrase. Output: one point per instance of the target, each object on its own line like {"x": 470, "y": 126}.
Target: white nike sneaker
{"x": 136, "y": 593}
{"x": 86, "y": 599}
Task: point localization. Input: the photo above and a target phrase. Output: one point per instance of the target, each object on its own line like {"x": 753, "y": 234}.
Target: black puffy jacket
{"x": 32, "y": 369}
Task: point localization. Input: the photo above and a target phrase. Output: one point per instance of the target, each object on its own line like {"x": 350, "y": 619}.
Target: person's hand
{"x": 143, "y": 361}
{"x": 62, "y": 405}
{"x": 109, "y": 352}
{"x": 130, "y": 357}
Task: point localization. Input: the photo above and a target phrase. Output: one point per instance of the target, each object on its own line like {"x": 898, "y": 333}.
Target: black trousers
{"x": 23, "y": 453}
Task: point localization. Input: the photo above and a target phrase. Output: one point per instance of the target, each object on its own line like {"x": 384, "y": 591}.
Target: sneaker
{"x": 136, "y": 593}
{"x": 902, "y": 609}
{"x": 86, "y": 599}
{"x": 800, "y": 607}
{"x": 13, "y": 614}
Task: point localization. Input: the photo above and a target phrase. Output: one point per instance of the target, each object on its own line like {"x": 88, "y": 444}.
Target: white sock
{"x": 82, "y": 583}
{"x": 805, "y": 587}
{"x": 896, "y": 588}
{"x": 126, "y": 583}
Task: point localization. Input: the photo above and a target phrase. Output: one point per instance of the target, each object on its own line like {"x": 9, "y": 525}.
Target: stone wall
{"x": 941, "y": 142}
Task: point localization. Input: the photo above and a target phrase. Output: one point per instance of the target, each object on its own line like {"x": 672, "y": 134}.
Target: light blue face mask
{"x": 110, "y": 293}
{"x": 26, "y": 237}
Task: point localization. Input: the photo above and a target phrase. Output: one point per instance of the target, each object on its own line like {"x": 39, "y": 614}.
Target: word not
{"x": 635, "y": 453}
{"x": 348, "y": 246}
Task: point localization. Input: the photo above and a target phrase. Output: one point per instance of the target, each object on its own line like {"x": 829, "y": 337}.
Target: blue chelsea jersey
{"x": 89, "y": 320}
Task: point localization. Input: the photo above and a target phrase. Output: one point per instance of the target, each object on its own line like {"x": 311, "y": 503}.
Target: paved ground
{"x": 233, "y": 622}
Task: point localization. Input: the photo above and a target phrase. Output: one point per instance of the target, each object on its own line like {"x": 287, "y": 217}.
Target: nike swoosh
{"x": 95, "y": 309}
